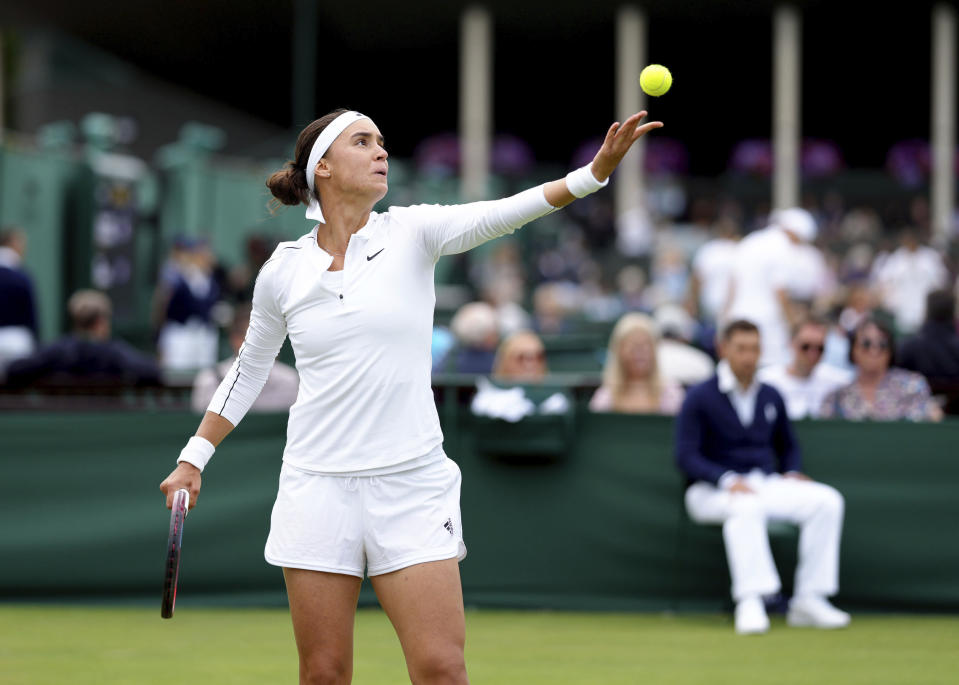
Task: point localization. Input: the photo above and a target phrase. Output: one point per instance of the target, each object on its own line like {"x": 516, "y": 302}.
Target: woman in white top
{"x": 365, "y": 485}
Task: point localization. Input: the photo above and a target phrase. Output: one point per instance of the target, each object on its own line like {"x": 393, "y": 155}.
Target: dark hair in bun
{"x": 289, "y": 185}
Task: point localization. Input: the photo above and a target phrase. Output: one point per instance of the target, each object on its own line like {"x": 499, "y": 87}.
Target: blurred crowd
{"x": 858, "y": 319}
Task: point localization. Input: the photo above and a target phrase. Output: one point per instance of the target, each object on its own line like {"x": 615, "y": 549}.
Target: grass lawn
{"x": 105, "y": 645}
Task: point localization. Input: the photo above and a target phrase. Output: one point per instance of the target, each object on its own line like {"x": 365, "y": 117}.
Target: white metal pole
{"x": 476, "y": 100}
{"x": 787, "y": 61}
{"x": 631, "y": 51}
{"x": 943, "y": 121}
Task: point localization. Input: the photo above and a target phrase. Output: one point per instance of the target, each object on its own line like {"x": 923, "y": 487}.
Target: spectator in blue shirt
{"x": 735, "y": 444}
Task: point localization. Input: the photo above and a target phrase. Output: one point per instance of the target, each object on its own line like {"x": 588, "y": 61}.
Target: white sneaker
{"x": 815, "y": 612}
{"x": 751, "y": 616}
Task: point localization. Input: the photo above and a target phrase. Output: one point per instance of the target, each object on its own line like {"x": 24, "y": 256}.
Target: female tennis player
{"x": 365, "y": 485}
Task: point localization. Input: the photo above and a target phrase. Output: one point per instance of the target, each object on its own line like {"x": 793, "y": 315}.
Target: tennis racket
{"x": 181, "y": 505}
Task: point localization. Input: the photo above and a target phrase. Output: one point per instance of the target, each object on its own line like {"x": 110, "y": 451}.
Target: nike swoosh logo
{"x": 370, "y": 257}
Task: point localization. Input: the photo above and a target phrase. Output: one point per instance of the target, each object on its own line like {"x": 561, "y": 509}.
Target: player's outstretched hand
{"x": 619, "y": 138}
{"x": 185, "y": 475}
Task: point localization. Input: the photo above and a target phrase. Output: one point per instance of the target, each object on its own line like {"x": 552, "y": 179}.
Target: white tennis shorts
{"x": 377, "y": 524}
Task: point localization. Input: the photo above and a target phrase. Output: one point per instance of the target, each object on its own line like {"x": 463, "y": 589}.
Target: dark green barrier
{"x": 600, "y": 528}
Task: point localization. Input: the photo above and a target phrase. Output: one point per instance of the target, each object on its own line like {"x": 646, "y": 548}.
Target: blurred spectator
{"x": 441, "y": 342}
{"x": 860, "y": 301}
{"x": 880, "y": 392}
{"x": 88, "y": 354}
{"x": 520, "y": 365}
{"x": 805, "y": 382}
{"x": 761, "y": 279}
{"x": 905, "y": 277}
{"x": 836, "y": 354}
{"x": 551, "y": 305}
{"x": 711, "y": 270}
{"x": 279, "y": 392}
{"x": 241, "y": 277}
{"x": 631, "y": 283}
{"x": 18, "y": 312}
{"x": 632, "y": 382}
{"x": 811, "y": 281}
{"x": 934, "y": 350}
{"x": 678, "y": 360}
{"x": 505, "y": 295}
{"x": 670, "y": 275}
{"x": 184, "y": 300}
{"x": 856, "y": 264}
{"x": 520, "y": 358}
{"x": 476, "y": 330}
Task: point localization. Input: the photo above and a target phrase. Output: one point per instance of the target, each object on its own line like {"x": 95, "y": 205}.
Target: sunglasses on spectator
{"x": 869, "y": 343}
{"x": 525, "y": 357}
{"x": 805, "y": 347}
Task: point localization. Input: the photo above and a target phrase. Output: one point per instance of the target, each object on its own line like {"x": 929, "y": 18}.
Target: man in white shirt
{"x": 712, "y": 268}
{"x": 761, "y": 279}
{"x": 906, "y": 277}
{"x": 805, "y": 382}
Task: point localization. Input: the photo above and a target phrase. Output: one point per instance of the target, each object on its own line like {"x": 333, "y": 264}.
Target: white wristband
{"x": 581, "y": 182}
{"x": 198, "y": 452}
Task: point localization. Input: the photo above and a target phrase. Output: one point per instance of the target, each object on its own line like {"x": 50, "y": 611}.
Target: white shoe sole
{"x": 753, "y": 631}
{"x": 799, "y": 620}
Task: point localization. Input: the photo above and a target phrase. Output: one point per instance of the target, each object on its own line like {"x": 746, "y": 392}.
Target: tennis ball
{"x": 655, "y": 80}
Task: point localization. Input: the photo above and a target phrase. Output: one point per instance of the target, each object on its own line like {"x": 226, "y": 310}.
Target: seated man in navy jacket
{"x": 89, "y": 354}
{"x": 735, "y": 444}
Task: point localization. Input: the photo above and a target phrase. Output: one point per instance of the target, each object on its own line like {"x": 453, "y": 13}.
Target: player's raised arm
{"x": 588, "y": 179}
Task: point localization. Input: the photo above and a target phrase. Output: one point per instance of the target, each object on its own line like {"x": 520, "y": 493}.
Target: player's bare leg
{"x": 323, "y": 606}
{"x": 425, "y": 604}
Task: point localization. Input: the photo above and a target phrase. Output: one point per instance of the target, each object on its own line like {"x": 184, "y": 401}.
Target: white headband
{"x": 322, "y": 144}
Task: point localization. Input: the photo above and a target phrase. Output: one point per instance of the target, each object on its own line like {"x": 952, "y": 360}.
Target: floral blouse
{"x": 901, "y": 395}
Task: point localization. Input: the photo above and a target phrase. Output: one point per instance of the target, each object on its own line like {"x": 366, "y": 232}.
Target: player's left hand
{"x": 619, "y": 138}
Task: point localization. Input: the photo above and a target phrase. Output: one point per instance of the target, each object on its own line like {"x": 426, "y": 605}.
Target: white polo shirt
{"x": 804, "y": 396}
{"x": 762, "y": 267}
{"x": 362, "y": 335}
{"x": 713, "y": 265}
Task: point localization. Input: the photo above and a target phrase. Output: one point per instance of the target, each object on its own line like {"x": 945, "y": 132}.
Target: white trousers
{"x": 815, "y": 507}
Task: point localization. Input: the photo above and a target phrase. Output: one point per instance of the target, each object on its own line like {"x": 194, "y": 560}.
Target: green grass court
{"x": 104, "y": 645}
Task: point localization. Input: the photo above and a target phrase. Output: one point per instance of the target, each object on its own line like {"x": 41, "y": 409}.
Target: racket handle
{"x": 186, "y": 499}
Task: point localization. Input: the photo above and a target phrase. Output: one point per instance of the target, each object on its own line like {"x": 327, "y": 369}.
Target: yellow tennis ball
{"x": 655, "y": 80}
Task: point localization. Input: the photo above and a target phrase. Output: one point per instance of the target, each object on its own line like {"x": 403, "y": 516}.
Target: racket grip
{"x": 185, "y": 495}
